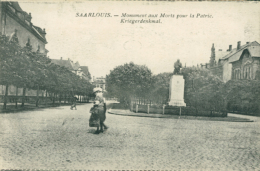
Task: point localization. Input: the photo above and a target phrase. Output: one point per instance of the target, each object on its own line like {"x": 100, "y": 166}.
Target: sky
{"x": 102, "y": 43}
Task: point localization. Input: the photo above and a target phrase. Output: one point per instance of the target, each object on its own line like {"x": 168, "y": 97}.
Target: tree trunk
{"x": 37, "y": 97}
{"x": 59, "y": 98}
{"x": 5, "y": 98}
{"x": 46, "y": 94}
{"x": 16, "y": 99}
{"x": 65, "y": 95}
{"x": 53, "y": 99}
{"x": 23, "y": 98}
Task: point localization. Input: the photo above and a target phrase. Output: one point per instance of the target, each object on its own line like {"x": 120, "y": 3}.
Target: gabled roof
{"x": 76, "y": 66}
{"x": 39, "y": 29}
{"x": 16, "y": 6}
{"x": 85, "y": 70}
{"x": 220, "y": 54}
{"x": 235, "y": 54}
{"x": 65, "y": 63}
{"x": 32, "y": 28}
{"x": 254, "y": 51}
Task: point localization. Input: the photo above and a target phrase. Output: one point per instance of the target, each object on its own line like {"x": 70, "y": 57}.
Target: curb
{"x": 177, "y": 117}
{"x": 149, "y": 116}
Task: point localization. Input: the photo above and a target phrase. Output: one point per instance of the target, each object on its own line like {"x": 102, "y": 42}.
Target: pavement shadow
{"x": 92, "y": 131}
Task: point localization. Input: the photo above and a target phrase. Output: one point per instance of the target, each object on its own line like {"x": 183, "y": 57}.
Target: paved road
{"x": 59, "y": 138}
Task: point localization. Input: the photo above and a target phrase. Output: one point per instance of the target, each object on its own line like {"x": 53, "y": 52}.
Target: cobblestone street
{"x": 60, "y": 138}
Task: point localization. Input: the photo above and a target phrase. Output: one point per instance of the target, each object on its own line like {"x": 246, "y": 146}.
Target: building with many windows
{"x": 17, "y": 25}
{"x": 246, "y": 65}
{"x": 100, "y": 82}
{"x": 242, "y": 62}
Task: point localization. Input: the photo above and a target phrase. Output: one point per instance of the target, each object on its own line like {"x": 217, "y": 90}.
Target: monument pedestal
{"x": 176, "y": 95}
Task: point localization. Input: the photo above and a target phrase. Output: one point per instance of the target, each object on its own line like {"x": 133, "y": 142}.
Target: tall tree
{"x": 129, "y": 80}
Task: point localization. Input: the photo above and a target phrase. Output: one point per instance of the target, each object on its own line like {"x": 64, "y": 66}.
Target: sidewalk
{"x": 29, "y": 107}
{"x": 230, "y": 118}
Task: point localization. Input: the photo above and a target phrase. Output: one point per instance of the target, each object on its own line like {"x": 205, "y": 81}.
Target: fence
{"x": 142, "y": 105}
{"x": 145, "y": 101}
{"x": 41, "y": 98}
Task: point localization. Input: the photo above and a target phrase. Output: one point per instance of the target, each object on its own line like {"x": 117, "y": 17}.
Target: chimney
{"x": 44, "y": 33}
{"x": 93, "y": 78}
{"x": 68, "y": 59}
{"x": 238, "y": 45}
{"x": 230, "y": 48}
{"x": 60, "y": 58}
{"x": 247, "y": 42}
{"x": 29, "y": 17}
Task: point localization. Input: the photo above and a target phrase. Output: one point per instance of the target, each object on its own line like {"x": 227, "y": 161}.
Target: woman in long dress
{"x": 102, "y": 109}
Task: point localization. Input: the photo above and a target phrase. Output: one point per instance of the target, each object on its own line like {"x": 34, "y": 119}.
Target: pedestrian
{"x": 94, "y": 120}
{"x": 102, "y": 108}
{"x": 74, "y": 103}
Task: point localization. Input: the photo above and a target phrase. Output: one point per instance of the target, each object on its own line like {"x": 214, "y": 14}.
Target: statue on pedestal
{"x": 177, "y": 67}
{"x": 176, "y": 90}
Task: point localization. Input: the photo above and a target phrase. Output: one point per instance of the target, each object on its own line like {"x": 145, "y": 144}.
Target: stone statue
{"x": 38, "y": 50}
{"x": 13, "y": 37}
{"x": 177, "y": 67}
{"x": 28, "y": 42}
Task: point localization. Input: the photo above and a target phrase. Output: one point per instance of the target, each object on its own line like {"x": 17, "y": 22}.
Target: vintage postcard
{"x": 129, "y": 85}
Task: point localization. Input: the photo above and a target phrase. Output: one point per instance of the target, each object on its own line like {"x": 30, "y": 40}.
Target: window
{"x": 247, "y": 72}
{"x": 236, "y": 74}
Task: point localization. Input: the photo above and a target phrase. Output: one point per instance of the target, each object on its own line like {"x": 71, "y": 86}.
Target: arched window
{"x": 244, "y": 73}
{"x": 236, "y": 74}
{"x": 247, "y": 72}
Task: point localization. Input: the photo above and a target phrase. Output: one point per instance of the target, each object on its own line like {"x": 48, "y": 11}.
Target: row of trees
{"x": 203, "y": 90}
{"x": 23, "y": 68}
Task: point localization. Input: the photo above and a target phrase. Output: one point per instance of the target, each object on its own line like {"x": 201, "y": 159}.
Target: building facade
{"x": 100, "y": 82}
{"x": 81, "y": 71}
{"x": 247, "y": 65}
{"x": 69, "y": 64}
{"x": 238, "y": 63}
{"x": 85, "y": 74}
{"x": 16, "y": 24}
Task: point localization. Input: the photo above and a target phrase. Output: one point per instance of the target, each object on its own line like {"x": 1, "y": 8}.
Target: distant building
{"x": 81, "y": 71}
{"x": 246, "y": 64}
{"x": 215, "y": 65}
{"x": 242, "y": 62}
{"x": 73, "y": 67}
{"x": 100, "y": 82}
{"x": 16, "y": 24}
{"x": 85, "y": 73}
